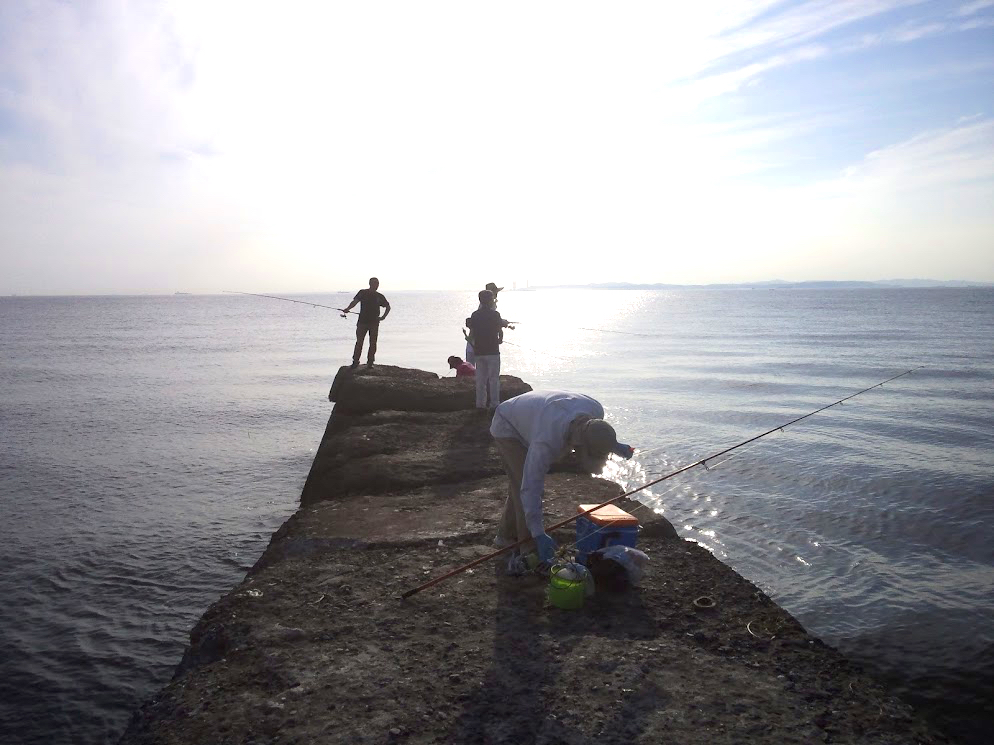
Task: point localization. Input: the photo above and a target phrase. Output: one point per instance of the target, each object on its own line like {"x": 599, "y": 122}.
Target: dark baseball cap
{"x": 598, "y": 440}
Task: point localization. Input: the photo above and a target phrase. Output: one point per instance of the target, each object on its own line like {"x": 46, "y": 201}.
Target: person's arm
{"x": 537, "y": 462}
{"x": 501, "y": 325}
{"x": 351, "y": 305}
{"x": 386, "y": 304}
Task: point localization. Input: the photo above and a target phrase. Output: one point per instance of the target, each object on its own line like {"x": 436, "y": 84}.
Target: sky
{"x": 200, "y": 146}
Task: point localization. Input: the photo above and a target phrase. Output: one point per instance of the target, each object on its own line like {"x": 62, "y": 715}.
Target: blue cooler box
{"x": 608, "y": 526}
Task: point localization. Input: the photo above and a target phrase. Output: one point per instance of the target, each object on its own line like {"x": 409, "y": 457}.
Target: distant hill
{"x": 776, "y": 284}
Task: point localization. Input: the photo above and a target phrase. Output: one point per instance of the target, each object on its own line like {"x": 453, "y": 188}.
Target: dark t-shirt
{"x": 370, "y": 303}
{"x": 486, "y": 324}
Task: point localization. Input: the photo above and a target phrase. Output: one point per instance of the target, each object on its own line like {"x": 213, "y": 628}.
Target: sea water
{"x": 149, "y": 447}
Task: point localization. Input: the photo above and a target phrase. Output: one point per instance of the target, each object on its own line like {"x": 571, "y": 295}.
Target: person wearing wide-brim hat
{"x": 532, "y": 431}
{"x": 493, "y": 288}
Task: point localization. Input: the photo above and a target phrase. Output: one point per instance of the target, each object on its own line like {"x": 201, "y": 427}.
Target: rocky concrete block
{"x": 386, "y": 388}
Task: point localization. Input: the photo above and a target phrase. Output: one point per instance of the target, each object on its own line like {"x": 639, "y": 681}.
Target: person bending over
{"x": 463, "y": 369}
{"x": 532, "y": 431}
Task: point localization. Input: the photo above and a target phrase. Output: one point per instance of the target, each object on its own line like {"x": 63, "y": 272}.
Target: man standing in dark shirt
{"x": 488, "y": 333}
{"x": 369, "y": 320}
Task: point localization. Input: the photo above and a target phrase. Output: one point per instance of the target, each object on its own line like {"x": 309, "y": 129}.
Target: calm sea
{"x": 149, "y": 446}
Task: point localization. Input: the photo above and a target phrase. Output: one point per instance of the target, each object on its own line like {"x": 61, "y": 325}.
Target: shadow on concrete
{"x": 522, "y": 699}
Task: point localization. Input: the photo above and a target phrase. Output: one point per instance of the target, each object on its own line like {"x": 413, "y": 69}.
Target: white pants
{"x": 487, "y": 380}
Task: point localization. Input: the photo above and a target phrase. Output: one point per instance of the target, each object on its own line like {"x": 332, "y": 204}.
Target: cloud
{"x": 94, "y": 84}
{"x": 796, "y": 36}
{"x": 731, "y": 81}
{"x": 809, "y": 20}
{"x": 976, "y": 23}
{"x": 901, "y": 34}
{"x": 975, "y": 7}
{"x": 960, "y": 155}
{"x": 795, "y": 25}
{"x": 924, "y": 199}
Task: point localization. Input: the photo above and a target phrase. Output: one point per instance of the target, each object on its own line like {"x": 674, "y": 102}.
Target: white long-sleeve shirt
{"x": 540, "y": 421}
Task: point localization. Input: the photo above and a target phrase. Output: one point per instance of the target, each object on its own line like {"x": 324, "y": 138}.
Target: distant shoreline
{"x": 776, "y": 284}
{"x": 890, "y": 284}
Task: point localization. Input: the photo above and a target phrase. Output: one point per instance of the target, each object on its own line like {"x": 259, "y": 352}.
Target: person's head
{"x": 493, "y": 288}
{"x": 593, "y": 440}
{"x": 374, "y": 283}
{"x": 454, "y": 362}
{"x": 487, "y": 299}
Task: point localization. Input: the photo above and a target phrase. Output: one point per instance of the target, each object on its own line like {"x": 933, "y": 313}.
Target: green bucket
{"x": 565, "y": 593}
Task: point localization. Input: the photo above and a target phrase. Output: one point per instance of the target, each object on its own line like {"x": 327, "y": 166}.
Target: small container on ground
{"x": 566, "y": 589}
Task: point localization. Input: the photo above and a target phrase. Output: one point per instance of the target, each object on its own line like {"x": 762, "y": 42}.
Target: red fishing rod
{"x": 701, "y": 462}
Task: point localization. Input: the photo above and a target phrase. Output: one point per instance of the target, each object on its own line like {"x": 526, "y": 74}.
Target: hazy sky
{"x": 303, "y": 146}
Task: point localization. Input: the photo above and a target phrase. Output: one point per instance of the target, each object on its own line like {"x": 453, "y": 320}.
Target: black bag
{"x": 609, "y": 575}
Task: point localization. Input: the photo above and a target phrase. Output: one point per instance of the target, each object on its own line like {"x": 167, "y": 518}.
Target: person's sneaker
{"x": 369, "y": 364}
{"x": 354, "y": 365}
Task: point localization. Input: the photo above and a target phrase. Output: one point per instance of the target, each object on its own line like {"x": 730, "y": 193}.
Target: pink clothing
{"x": 465, "y": 370}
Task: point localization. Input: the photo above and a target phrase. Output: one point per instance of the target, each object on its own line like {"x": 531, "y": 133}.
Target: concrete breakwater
{"x": 314, "y": 647}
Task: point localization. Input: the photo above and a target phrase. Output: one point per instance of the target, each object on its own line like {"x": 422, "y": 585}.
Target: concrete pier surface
{"x": 314, "y": 646}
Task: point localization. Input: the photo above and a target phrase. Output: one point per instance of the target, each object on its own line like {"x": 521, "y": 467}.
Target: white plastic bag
{"x": 574, "y": 571}
{"x": 631, "y": 559}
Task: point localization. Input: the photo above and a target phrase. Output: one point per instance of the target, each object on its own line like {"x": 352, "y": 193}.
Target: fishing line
{"x": 535, "y": 351}
{"x": 612, "y": 331}
{"x": 640, "y": 505}
{"x": 567, "y": 548}
{"x": 342, "y": 310}
{"x": 700, "y": 462}
{"x": 654, "y": 448}
{"x": 330, "y": 307}
{"x": 290, "y": 300}
{"x": 711, "y": 467}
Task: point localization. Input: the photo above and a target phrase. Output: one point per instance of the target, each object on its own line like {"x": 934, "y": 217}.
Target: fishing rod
{"x": 535, "y": 351}
{"x": 290, "y": 300}
{"x": 701, "y": 462}
{"x": 612, "y": 331}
